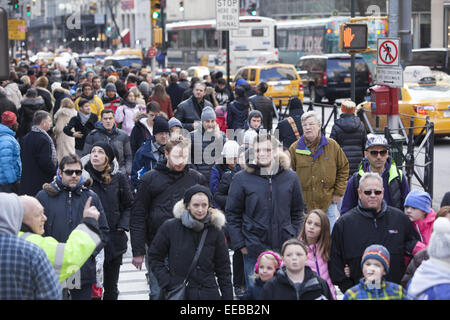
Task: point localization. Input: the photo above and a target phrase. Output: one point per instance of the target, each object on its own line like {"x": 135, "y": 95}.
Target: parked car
{"x": 435, "y": 58}
{"x": 283, "y": 80}
{"x": 329, "y": 75}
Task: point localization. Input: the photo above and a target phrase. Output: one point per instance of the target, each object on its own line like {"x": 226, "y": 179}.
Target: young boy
{"x": 255, "y": 123}
{"x": 375, "y": 265}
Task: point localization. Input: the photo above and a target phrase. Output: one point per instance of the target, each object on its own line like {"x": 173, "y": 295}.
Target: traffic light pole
{"x": 352, "y": 67}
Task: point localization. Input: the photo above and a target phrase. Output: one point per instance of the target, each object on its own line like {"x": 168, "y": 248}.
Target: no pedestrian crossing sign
{"x": 227, "y": 14}
{"x": 388, "y": 52}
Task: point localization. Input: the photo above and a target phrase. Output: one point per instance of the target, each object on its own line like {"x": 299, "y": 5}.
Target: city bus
{"x": 253, "y": 43}
{"x": 296, "y": 38}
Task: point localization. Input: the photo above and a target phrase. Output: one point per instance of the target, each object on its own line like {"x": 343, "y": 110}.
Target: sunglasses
{"x": 375, "y": 153}
{"x": 369, "y": 192}
{"x": 70, "y": 172}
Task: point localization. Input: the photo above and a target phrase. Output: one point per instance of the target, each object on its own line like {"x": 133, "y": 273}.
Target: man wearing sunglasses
{"x": 64, "y": 200}
{"x": 372, "y": 221}
{"x": 377, "y": 159}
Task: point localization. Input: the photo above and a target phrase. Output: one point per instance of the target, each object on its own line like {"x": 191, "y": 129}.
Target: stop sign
{"x": 152, "y": 52}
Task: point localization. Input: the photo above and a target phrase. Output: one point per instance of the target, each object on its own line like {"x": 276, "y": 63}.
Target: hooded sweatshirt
{"x": 431, "y": 281}
{"x": 11, "y": 213}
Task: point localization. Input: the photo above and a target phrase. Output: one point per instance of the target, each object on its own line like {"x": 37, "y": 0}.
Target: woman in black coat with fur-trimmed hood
{"x": 177, "y": 239}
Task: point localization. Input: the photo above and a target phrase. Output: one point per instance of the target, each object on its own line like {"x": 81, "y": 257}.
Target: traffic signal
{"x": 155, "y": 11}
{"x": 252, "y": 9}
{"x": 353, "y": 36}
{"x": 28, "y": 9}
{"x": 181, "y": 6}
{"x": 14, "y": 4}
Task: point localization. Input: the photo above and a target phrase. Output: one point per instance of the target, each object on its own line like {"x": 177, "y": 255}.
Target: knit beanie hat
{"x": 160, "y": 124}
{"x": 419, "y": 199}
{"x": 9, "y": 118}
{"x": 208, "y": 114}
{"x": 110, "y": 87}
{"x": 439, "y": 245}
{"x": 295, "y": 103}
{"x": 379, "y": 253}
{"x": 174, "y": 122}
{"x": 255, "y": 113}
{"x": 230, "y": 149}
{"x": 109, "y": 150}
{"x": 196, "y": 189}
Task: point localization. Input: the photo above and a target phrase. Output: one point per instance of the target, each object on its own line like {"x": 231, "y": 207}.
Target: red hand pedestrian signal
{"x": 353, "y": 36}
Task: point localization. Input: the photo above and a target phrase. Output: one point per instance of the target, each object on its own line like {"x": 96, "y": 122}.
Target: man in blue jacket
{"x": 378, "y": 160}
{"x": 10, "y": 163}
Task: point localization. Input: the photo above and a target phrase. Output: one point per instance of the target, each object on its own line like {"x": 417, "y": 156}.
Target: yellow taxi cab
{"x": 417, "y": 100}
{"x": 197, "y": 71}
{"x": 129, "y": 52}
{"x": 282, "y": 79}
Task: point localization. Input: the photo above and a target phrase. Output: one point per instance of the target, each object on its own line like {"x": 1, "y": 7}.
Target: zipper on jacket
{"x": 418, "y": 231}
{"x": 69, "y": 207}
{"x": 375, "y": 222}
{"x": 270, "y": 184}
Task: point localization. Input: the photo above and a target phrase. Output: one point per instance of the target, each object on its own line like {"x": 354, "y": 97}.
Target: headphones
{"x": 277, "y": 257}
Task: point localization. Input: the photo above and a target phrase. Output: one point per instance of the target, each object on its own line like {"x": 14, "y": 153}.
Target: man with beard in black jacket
{"x": 158, "y": 191}
{"x": 370, "y": 222}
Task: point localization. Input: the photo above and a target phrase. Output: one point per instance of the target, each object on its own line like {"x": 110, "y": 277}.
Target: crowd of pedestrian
{"x": 190, "y": 169}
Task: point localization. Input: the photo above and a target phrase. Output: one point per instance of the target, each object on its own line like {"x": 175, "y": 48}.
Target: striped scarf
{"x": 54, "y": 157}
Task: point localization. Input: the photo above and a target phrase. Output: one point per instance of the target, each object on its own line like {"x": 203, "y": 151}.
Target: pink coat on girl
{"x": 319, "y": 266}
{"x": 424, "y": 228}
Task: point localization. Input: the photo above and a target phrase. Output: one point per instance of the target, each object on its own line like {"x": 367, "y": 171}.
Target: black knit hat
{"x": 109, "y": 150}
{"x": 160, "y": 124}
{"x": 196, "y": 189}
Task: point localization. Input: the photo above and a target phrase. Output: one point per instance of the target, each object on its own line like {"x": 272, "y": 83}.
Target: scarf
{"x": 54, "y": 157}
{"x": 312, "y": 146}
{"x": 87, "y": 97}
{"x": 129, "y": 104}
{"x": 84, "y": 117}
{"x": 191, "y": 223}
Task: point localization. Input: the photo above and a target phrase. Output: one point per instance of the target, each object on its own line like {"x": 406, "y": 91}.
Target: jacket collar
{"x": 371, "y": 213}
{"x": 217, "y": 217}
{"x": 303, "y": 149}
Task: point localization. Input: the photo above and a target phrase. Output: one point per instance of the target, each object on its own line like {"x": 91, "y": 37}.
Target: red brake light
{"x": 324, "y": 78}
{"x": 423, "y": 110}
{"x": 300, "y": 86}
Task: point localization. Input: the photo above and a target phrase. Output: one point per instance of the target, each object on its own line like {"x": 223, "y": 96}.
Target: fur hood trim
{"x": 283, "y": 160}
{"x": 217, "y": 217}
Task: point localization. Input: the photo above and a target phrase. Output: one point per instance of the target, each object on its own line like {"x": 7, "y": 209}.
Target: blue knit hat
{"x": 377, "y": 252}
{"x": 419, "y": 199}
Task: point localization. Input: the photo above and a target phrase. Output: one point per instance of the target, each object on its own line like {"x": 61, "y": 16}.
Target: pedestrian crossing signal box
{"x": 353, "y": 36}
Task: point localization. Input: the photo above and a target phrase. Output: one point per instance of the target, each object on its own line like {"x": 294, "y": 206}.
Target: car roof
{"x": 268, "y": 66}
{"x": 123, "y": 57}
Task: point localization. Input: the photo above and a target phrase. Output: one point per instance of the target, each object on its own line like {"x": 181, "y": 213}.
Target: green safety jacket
{"x": 67, "y": 258}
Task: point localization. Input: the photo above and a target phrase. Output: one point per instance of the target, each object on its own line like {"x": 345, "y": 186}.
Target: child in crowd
{"x": 419, "y": 211}
{"x": 267, "y": 263}
{"x": 316, "y": 235}
{"x": 375, "y": 265}
{"x": 295, "y": 280}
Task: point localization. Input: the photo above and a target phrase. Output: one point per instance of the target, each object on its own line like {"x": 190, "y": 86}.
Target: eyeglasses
{"x": 70, "y": 172}
{"x": 369, "y": 192}
{"x": 375, "y": 153}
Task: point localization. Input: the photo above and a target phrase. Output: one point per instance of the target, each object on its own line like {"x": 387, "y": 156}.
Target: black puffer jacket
{"x": 117, "y": 201}
{"x": 280, "y": 287}
{"x": 264, "y": 211}
{"x": 179, "y": 243}
{"x": 64, "y": 210}
{"x": 28, "y": 108}
{"x": 158, "y": 191}
{"x": 237, "y": 114}
{"x": 350, "y": 133}
{"x": 189, "y": 111}
{"x": 360, "y": 228}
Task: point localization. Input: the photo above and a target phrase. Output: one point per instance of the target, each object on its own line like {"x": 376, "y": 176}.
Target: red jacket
{"x": 165, "y": 105}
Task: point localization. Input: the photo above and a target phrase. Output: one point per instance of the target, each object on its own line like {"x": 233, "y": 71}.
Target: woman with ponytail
{"x": 114, "y": 191}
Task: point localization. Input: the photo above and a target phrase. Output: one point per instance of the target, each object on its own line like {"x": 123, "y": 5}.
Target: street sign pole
{"x": 353, "y": 84}
{"x": 227, "y": 18}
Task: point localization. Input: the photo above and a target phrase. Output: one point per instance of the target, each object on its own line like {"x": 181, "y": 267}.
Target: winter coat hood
{"x": 68, "y": 112}
{"x": 348, "y": 123}
{"x": 217, "y": 217}
{"x": 283, "y": 161}
{"x": 6, "y": 130}
{"x": 86, "y": 175}
{"x": 429, "y": 274}
{"x": 35, "y": 101}
{"x": 11, "y": 213}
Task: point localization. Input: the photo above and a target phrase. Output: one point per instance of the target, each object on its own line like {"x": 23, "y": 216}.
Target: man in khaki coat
{"x": 321, "y": 166}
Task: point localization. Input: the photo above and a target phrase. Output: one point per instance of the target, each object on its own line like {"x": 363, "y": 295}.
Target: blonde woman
{"x": 64, "y": 144}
